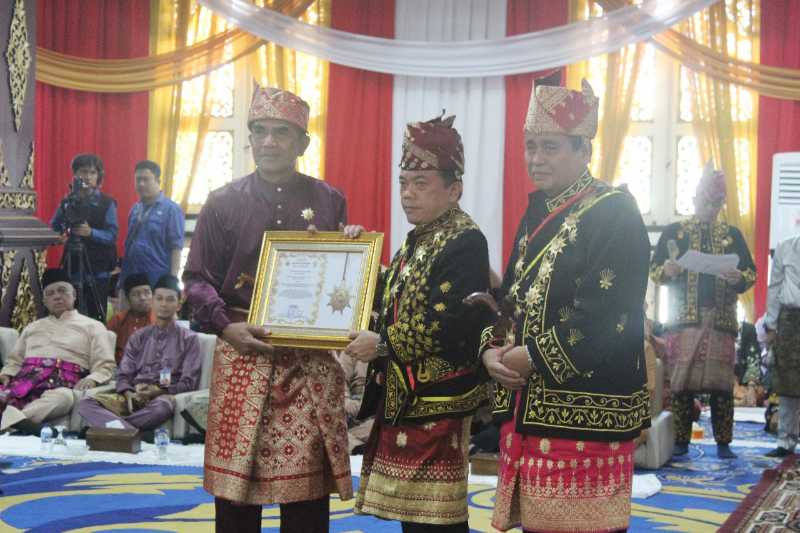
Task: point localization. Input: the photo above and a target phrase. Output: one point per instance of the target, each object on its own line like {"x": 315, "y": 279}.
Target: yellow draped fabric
{"x": 764, "y": 79}
{"x": 725, "y": 116}
{"x": 168, "y": 67}
{"x": 180, "y": 114}
{"x": 613, "y": 77}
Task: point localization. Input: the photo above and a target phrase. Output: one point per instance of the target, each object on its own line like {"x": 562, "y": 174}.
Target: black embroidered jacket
{"x": 578, "y": 291}
{"x": 433, "y": 366}
{"x": 690, "y": 291}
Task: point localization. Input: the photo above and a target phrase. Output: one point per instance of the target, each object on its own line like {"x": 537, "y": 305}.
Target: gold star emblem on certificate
{"x": 340, "y": 298}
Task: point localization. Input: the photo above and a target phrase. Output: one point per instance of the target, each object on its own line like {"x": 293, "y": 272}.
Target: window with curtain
{"x": 660, "y": 161}
{"x": 224, "y": 152}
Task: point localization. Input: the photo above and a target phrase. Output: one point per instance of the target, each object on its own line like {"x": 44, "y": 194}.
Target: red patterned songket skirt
{"x": 550, "y": 485}
{"x": 416, "y": 473}
{"x": 277, "y": 430}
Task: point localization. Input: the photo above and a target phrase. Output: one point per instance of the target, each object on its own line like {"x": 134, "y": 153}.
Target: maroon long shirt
{"x": 227, "y": 239}
{"x": 152, "y": 349}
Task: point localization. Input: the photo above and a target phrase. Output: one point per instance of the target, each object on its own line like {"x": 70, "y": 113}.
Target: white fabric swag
{"x": 477, "y": 103}
{"x": 528, "y": 52}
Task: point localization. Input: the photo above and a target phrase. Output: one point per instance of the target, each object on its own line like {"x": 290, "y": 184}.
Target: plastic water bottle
{"x": 46, "y": 436}
{"x": 162, "y": 442}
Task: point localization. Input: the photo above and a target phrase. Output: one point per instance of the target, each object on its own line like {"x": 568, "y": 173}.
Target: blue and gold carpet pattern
{"x": 47, "y": 495}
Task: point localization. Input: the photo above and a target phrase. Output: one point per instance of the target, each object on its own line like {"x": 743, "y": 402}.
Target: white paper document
{"x": 703, "y": 263}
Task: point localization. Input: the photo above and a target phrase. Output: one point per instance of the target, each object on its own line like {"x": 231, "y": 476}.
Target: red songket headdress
{"x": 433, "y": 145}
{"x": 270, "y": 102}
{"x": 558, "y": 110}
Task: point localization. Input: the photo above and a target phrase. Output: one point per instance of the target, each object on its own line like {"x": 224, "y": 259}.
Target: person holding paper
{"x": 277, "y": 428}
{"x": 423, "y": 350}
{"x": 702, "y": 323}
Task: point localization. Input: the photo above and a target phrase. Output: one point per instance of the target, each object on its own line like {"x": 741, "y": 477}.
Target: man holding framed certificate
{"x": 425, "y": 344}
{"x": 277, "y": 430}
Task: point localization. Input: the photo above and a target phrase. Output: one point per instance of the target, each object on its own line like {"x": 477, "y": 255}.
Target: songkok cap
{"x": 134, "y": 280}
{"x": 558, "y": 110}
{"x": 711, "y": 187}
{"x": 168, "y": 281}
{"x": 433, "y": 145}
{"x": 270, "y": 102}
{"x": 54, "y": 275}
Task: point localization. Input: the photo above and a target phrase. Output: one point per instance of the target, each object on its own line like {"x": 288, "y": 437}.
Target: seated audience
{"x": 160, "y": 361}
{"x": 63, "y": 351}
{"x": 140, "y": 314}
{"x": 355, "y": 376}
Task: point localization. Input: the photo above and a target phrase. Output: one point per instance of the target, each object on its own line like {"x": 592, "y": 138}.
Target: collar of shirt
{"x": 158, "y": 199}
{"x": 66, "y": 315}
{"x": 582, "y": 183}
{"x": 422, "y": 229}
{"x": 94, "y": 196}
{"x": 164, "y": 332}
{"x": 271, "y": 190}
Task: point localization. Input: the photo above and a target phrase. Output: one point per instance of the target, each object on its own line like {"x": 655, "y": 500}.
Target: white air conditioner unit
{"x": 785, "y": 208}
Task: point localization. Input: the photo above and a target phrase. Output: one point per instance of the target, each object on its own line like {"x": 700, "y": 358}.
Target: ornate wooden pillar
{"x": 23, "y": 237}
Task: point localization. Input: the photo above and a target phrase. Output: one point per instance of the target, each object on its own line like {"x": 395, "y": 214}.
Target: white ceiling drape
{"x": 528, "y": 52}
{"x": 478, "y": 104}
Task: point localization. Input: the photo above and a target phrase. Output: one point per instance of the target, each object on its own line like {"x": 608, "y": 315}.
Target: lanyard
{"x": 566, "y": 205}
{"x": 544, "y": 222}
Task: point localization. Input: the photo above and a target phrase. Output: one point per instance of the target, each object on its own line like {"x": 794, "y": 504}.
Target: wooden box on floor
{"x": 114, "y": 440}
{"x": 483, "y": 464}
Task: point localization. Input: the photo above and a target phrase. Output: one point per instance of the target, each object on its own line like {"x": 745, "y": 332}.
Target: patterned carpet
{"x": 773, "y": 505}
{"x": 68, "y": 494}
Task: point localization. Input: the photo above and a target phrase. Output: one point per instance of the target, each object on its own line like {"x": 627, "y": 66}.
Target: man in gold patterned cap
{"x": 277, "y": 429}
{"x": 423, "y": 348}
{"x": 571, "y": 394}
{"x": 702, "y": 324}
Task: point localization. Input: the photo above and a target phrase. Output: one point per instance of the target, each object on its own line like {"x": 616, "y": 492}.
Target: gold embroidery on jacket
{"x": 607, "y": 278}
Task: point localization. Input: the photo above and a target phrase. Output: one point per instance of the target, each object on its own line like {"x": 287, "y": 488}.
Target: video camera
{"x": 74, "y": 205}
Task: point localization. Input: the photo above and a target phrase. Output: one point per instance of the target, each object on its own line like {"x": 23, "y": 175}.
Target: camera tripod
{"x": 75, "y": 263}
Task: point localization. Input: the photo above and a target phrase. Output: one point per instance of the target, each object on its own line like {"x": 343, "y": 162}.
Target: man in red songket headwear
{"x": 702, "y": 323}
{"x": 571, "y": 393}
{"x": 277, "y": 429}
{"x": 423, "y": 350}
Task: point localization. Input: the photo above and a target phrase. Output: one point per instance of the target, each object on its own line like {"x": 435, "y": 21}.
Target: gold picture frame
{"x": 311, "y": 290}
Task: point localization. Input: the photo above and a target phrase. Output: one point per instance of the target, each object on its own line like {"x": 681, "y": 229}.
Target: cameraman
{"x": 89, "y": 217}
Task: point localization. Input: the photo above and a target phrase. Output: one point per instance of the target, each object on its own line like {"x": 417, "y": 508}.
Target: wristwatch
{"x": 382, "y": 349}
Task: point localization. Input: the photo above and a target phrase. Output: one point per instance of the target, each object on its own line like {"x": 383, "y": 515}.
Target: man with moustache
{"x": 425, "y": 344}
{"x": 571, "y": 393}
{"x": 277, "y": 428}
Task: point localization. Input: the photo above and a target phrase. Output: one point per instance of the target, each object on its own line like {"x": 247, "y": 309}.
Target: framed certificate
{"x": 312, "y": 290}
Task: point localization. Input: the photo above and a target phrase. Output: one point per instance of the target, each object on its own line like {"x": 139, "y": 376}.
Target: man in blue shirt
{"x": 88, "y": 217}
{"x": 155, "y": 229}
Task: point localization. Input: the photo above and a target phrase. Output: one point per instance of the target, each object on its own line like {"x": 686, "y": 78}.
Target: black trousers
{"x": 310, "y": 516}
{"x": 721, "y": 416}
{"x": 413, "y": 527}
